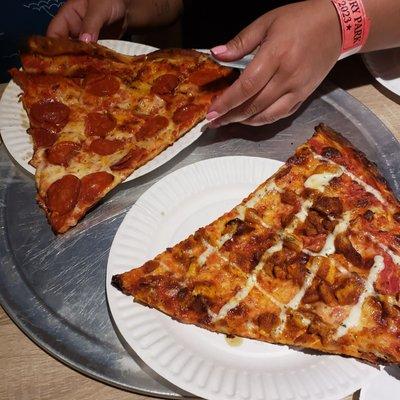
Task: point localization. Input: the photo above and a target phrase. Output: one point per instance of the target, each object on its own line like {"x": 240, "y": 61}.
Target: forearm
{"x": 152, "y": 13}
{"x": 385, "y": 24}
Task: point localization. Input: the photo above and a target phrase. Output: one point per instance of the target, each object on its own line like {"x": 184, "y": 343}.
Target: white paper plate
{"x": 194, "y": 359}
{"x": 14, "y": 121}
{"x": 384, "y": 65}
{"x": 384, "y": 386}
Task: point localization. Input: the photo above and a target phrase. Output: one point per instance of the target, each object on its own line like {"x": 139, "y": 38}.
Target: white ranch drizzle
{"x": 342, "y": 269}
{"x": 252, "y": 279}
{"x": 355, "y": 312}
{"x": 366, "y": 187}
{"x": 300, "y": 216}
{"x": 206, "y": 253}
{"x": 250, "y": 283}
{"x": 241, "y": 211}
{"x": 260, "y": 193}
{"x": 211, "y": 249}
{"x": 163, "y": 265}
{"x": 296, "y": 300}
{"x": 329, "y": 246}
{"x": 269, "y": 296}
{"x": 392, "y": 254}
{"x": 320, "y": 181}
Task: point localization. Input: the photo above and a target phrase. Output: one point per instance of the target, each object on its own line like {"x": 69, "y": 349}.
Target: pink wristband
{"x": 354, "y": 24}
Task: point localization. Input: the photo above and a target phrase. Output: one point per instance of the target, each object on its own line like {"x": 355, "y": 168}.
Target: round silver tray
{"x": 53, "y": 287}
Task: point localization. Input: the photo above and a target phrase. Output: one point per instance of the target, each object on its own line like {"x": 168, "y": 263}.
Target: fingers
{"x": 68, "y": 20}
{"x": 252, "y": 80}
{"x": 283, "y": 107}
{"x": 85, "y": 18}
{"x": 96, "y": 16}
{"x": 274, "y": 89}
{"x": 245, "y": 42}
{"x": 59, "y": 27}
{"x": 100, "y": 13}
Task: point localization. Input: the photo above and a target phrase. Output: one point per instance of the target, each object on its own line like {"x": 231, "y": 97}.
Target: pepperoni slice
{"x": 389, "y": 279}
{"x": 50, "y": 114}
{"x": 187, "y": 113}
{"x": 151, "y": 127}
{"x": 62, "y": 195}
{"x": 105, "y": 147}
{"x": 42, "y": 137}
{"x": 99, "y": 124}
{"x": 103, "y": 85}
{"x": 165, "y": 84}
{"x": 134, "y": 156}
{"x": 203, "y": 77}
{"x": 93, "y": 185}
{"x": 62, "y": 152}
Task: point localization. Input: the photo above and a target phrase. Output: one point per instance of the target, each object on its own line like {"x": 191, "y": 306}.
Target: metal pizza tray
{"x": 53, "y": 287}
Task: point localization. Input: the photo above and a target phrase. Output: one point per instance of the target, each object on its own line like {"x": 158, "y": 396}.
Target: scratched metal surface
{"x": 53, "y": 287}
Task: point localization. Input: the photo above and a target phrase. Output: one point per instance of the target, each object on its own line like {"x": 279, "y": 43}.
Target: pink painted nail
{"x": 212, "y": 115}
{"x": 85, "y": 37}
{"x": 219, "y": 50}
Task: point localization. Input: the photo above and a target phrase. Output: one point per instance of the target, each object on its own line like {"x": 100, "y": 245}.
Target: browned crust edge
{"x": 370, "y": 168}
{"x": 50, "y": 47}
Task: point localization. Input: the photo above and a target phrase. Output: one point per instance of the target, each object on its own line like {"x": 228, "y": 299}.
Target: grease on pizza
{"x": 96, "y": 115}
{"x": 311, "y": 259}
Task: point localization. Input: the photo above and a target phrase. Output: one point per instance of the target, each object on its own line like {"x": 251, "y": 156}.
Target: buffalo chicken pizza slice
{"x": 311, "y": 259}
{"x": 96, "y": 115}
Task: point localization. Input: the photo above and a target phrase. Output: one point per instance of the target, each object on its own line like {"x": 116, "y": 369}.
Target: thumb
{"x": 96, "y": 16}
{"x": 245, "y": 41}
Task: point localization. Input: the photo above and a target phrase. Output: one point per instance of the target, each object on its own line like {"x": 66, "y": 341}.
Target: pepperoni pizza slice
{"x": 96, "y": 115}
{"x": 310, "y": 259}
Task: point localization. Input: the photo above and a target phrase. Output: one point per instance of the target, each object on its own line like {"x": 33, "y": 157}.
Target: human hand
{"x": 298, "y": 45}
{"x": 84, "y": 19}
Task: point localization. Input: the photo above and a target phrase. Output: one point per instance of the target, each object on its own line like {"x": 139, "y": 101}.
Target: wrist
{"x": 354, "y": 25}
{"x": 334, "y": 26}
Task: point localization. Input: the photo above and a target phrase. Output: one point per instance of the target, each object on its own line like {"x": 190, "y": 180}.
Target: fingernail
{"x": 85, "y": 37}
{"x": 212, "y": 115}
{"x": 219, "y": 50}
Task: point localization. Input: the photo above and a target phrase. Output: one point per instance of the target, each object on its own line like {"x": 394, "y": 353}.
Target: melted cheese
{"x": 296, "y": 300}
{"x": 300, "y": 216}
{"x": 241, "y": 214}
{"x": 368, "y": 188}
{"x": 355, "y": 313}
{"x": 211, "y": 249}
{"x": 150, "y": 105}
{"x": 318, "y": 182}
{"x": 241, "y": 210}
{"x": 270, "y": 297}
{"x": 329, "y": 246}
{"x": 260, "y": 193}
{"x": 206, "y": 253}
{"x": 393, "y": 255}
{"x": 321, "y": 181}
{"x": 250, "y": 283}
